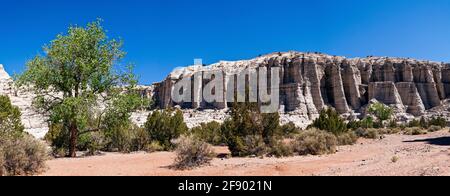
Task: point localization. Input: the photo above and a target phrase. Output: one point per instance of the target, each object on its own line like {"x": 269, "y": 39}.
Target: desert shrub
{"x": 57, "y": 138}
{"x": 414, "y": 123}
{"x": 165, "y": 126}
{"x": 140, "y": 139}
{"x": 120, "y": 140}
{"x": 330, "y": 121}
{"x": 367, "y": 123}
{"x": 210, "y": 133}
{"x": 23, "y": 156}
{"x": 423, "y": 123}
{"x": 10, "y": 121}
{"x": 248, "y": 132}
{"x": 315, "y": 142}
{"x": 438, "y": 121}
{"x": 389, "y": 131}
{"x": 2, "y": 163}
{"x": 270, "y": 127}
{"x": 153, "y": 147}
{"x": 381, "y": 111}
{"x": 349, "y": 138}
{"x": 279, "y": 149}
{"x": 289, "y": 129}
{"x": 353, "y": 124}
{"x": 96, "y": 141}
{"x": 192, "y": 153}
{"x": 20, "y": 154}
{"x": 250, "y": 145}
{"x": 129, "y": 139}
{"x": 414, "y": 131}
{"x": 253, "y": 146}
{"x": 393, "y": 123}
{"x": 434, "y": 128}
{"x": 368, "y": 133}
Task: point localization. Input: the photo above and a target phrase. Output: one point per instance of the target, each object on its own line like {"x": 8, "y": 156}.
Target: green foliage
{"x": 248, "y": 132}
{"x": 438, "y": 121}
{"x": 164, "y": 126}
{"x": 315, "y": 142}
{"x": 330, "y": 121}
{"x": 153, "y": 147}
{"x": 210, "y": 133}
{"x": 434, "y": 128}
{"x": 192, "y": 153}
{"x": 381, "y": 111}
{"x": 22, "y": 156}
{"x": 80, "y": 66}
{"x": 414, "y": 131}
{"x": 365, "y": 123}
{"x": 424, "y": 123}
{"x": 10, "y": 122}
{"x": 393, "y": 123}
{"x": 289, "y": 129}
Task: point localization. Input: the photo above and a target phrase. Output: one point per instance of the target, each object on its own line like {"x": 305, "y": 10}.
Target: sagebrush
{"x": 192, "y": 153}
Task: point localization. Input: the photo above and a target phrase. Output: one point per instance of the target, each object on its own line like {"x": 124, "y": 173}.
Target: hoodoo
{"x": 311, "y": 82}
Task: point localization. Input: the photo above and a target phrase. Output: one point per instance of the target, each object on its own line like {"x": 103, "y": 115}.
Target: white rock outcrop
{"x": 34, "y": 123}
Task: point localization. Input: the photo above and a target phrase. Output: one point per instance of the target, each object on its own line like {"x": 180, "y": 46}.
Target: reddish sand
{"x": 416, "y": 156}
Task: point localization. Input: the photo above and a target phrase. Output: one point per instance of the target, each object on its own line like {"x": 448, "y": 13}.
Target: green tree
{"x": 79, "y": 69}
{"x": 248, "y": 128}
{"x": 165, "y": 126}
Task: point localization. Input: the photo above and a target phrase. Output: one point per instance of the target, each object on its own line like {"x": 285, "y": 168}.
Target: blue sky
{"x": 160, "y": 35}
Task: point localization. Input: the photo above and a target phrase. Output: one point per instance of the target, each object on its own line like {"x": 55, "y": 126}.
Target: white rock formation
{"x": 34, "y": 123}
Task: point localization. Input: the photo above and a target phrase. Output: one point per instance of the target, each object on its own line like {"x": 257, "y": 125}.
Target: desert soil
{"x": 399, "y": 155}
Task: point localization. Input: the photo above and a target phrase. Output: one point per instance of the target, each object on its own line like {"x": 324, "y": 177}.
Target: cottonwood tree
{"x": 81, "y": 71}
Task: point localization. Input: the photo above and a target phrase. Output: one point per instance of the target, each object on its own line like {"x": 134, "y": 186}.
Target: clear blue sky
{"x": 160, "y": 35}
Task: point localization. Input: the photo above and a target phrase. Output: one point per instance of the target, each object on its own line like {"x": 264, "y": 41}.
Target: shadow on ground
{"x": 440, "y": 141}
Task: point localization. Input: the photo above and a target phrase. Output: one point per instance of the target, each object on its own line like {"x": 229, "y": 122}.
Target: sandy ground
{"x": 426, "y": 155}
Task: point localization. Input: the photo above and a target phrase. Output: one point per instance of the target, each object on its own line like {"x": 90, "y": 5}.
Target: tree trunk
{"x": 73, "y": 140}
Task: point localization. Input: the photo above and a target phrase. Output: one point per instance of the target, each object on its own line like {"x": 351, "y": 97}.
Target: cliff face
{"x": 34, "y": 123}
{"x": 311, "y": 82}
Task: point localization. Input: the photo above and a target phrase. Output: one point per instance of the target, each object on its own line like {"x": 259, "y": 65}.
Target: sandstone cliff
{"x": 311, "y": 82}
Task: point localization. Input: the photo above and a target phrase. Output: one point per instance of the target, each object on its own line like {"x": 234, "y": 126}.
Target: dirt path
{"x": 416, "y": 155}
